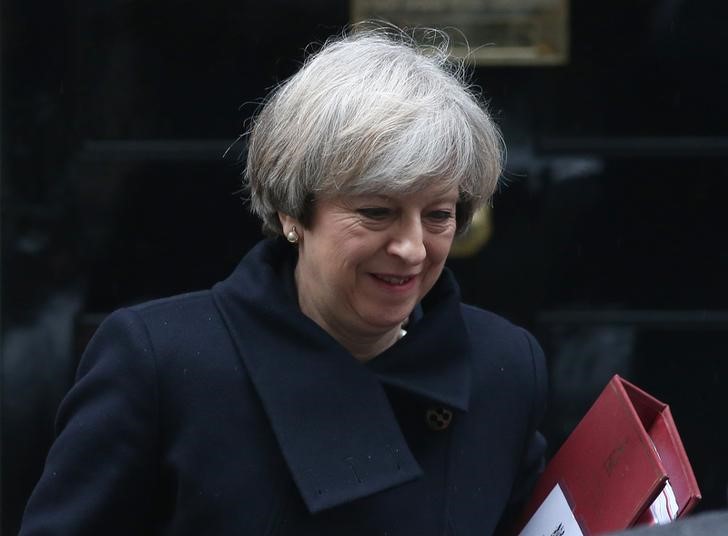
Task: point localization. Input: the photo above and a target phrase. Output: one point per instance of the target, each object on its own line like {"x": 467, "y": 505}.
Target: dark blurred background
{"x": 608, "y": 239}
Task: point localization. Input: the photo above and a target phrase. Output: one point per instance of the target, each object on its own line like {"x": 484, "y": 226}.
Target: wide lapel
{"x": 329, "y": 413}
{"x": 434, "y": 359}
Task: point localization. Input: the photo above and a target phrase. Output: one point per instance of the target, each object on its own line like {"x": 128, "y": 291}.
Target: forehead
{"x": 424, "y": 197}
{"x": 434, "y": 192}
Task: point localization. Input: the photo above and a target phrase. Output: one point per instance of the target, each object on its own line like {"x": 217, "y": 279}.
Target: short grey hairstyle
{"x": 372, "y": 112}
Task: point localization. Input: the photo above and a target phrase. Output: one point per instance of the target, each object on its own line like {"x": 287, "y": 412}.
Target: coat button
{"x": 438, "y": 418}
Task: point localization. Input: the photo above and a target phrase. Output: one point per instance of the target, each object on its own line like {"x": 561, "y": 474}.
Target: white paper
{"x": 664, "y": 509}
{"x": 553, "y": 518}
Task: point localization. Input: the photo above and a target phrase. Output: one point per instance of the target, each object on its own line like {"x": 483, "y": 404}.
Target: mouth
{"x": 395, "y": 280}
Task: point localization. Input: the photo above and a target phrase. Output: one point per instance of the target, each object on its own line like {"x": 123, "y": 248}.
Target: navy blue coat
{"x": 230, "y": 412}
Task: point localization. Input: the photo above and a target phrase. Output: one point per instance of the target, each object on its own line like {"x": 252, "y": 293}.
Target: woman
{"x": 334, "y": 383}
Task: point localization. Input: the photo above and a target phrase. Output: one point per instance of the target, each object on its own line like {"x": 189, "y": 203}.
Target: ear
{"x": 287, "y": 223}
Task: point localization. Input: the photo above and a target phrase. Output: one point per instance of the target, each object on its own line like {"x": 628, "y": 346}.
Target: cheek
{"x": 345, "y": 260}
{"x": 437, "y": 255}
{"x": 438, "y": 249}
{"x": 357, "y": 252}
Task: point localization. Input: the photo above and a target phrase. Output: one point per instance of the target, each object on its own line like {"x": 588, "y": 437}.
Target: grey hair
{"x": 372, "y": 112}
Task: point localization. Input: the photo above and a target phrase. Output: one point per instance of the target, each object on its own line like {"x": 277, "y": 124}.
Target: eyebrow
{"x": 445, "y": 197}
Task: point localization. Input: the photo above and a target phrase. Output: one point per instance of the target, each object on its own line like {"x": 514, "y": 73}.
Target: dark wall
{"x": 609, "y": 241}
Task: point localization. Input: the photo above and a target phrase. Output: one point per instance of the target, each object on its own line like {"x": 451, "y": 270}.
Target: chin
{"x": 382, "y": 322}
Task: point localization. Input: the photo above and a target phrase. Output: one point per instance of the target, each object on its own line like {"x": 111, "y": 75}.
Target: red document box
{"x": 617, "y": 460}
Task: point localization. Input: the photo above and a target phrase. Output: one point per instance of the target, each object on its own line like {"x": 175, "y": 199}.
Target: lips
{"x": 394, "y": 279}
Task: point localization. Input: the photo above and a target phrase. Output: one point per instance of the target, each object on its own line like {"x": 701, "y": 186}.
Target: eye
{"x": 440, "y": 215}
{"x": 375, "y": 213}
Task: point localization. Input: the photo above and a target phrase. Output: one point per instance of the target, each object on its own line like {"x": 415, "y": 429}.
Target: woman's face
{"x": 365, "y": 261}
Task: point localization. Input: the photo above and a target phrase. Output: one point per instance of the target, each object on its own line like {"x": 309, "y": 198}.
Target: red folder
{"x": 617, "y": 460}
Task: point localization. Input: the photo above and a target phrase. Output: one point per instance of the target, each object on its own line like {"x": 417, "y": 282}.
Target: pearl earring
{"x": 292, "y": 235}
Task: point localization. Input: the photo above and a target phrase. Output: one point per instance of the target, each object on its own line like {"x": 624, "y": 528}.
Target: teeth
{"x": 393, "y": 280}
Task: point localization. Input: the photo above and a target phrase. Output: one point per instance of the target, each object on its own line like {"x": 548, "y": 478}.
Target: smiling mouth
{"x": 393, "y": 279}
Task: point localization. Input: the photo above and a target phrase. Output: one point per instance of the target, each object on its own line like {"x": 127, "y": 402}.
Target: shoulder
{"x": 172, "y": 327}
{"x": 174, "y": 317}
{"x": 482, "y": 318}
{"x": 179, "y": 308}
{"x": 485, "y": 327}
{"x": 504, "y": 350}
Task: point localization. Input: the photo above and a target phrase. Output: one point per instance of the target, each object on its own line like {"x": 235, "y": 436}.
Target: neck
{"x": 367, "y": 347}
{"x": 362, "y": 345}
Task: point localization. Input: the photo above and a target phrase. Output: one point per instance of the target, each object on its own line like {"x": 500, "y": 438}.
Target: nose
{"x": 407, "y": 242}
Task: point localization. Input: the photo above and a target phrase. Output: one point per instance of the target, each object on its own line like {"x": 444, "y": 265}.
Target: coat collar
{"x": 330, "y": 413}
